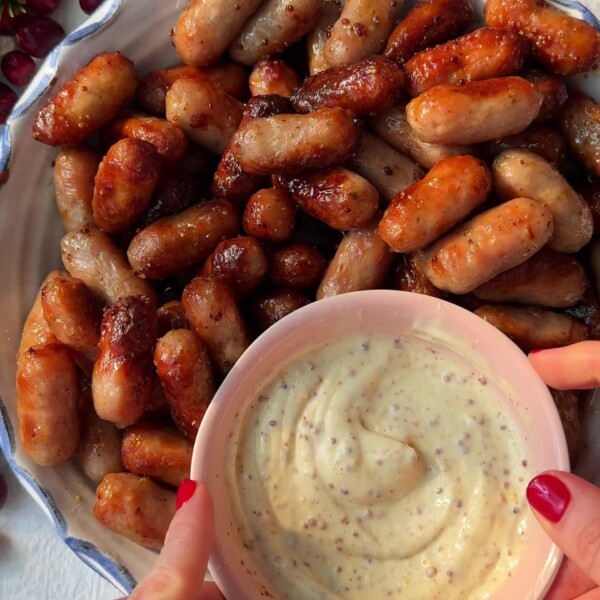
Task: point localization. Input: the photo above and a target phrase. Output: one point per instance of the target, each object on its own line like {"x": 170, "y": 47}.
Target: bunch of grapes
{"x": 34, "y": 35}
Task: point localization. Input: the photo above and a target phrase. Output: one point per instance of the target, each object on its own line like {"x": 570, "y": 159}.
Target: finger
{"x": 570, "y": 582}
{"x": 180, "y": 568}
{"x": 569, "y": 368}
{"x": 568, "y": 508}
{"x": 593, "y": 595}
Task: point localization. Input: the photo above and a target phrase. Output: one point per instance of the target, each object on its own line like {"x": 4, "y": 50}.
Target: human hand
{"x": 567, "y": 507}
{"x": 179, "y": 570}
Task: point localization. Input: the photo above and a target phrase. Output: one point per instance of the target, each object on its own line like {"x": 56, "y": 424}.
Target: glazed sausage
{"x": 317, "y": 38}
{"x": 477, "y": 111}
{"x": 561, "y": 43}
{"x": 269, "y": 216}
{"x": 273, "y": 305}
{"x": 430, "y": 207}
{"x": 483, "y": 54}
{"x": 273, "y": 77}
{"x": 548, "y": 278}
{"x": 239, "y": 262}
{"x": 380, "y": 164}
{"x": 171, "y": 315}
{"x": 567, "y": 404}
{"x": 48, "y": 391}
{"x": 591, "y": 194}
{"x": 157, "y": 450}
{"x": 338, "y": 197}
{"x": 169, "y": 141}
{"x": 205, "y": 29}
{"x": 520, "y": 173}
{"x": 294, "y": 143}
{"x": 366, "y": 87}
{"x": 169, "y": 245}
{"x": 588, "y": 312}
{"x": 215, "y": 318}
{"x": 136, "y": 508}
{"x": 428, "y": 23}
{"x": 490, "y": 243}
{"x": 361, "y": 262}
{"x": 207, "y": 115}
{"x": 183, "y": 365}
{"x": 392, "y": 126}
{"x": 74, "y": 170}
{"x": 553, "y": 90}
{"x": 409, "y": 276}
{"x": 361, "y": 30}
{"x": 124, "y": 184}
{"x": 73, "y": 314}
{"x": 90, "y": 255}
{"x": 579, "y": 122}
{"x": 87, "y": 102}
{"x": 123, "y": 375}
{"x": 296, "y": 266}
{"x": 276, "y": 25}
{"x": 534, "y": 328}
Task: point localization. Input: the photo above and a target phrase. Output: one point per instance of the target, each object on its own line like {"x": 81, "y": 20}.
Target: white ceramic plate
{"x": 30, "y": 230}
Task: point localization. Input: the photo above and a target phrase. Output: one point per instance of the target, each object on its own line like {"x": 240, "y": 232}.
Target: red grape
{"x": 18, "y": 67}
{"x": 8, "y": 23}
{"x": 44, "y": 7}
{"x": 7, "y": 101}
{"x": 89, "y": 6}
{"x": 38, "y": 35}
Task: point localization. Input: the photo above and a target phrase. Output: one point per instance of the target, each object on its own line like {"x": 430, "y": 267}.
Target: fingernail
{"x": 549, "y": 496}
{"x": 185, "y": 492}
{"x": 534, "y": 352}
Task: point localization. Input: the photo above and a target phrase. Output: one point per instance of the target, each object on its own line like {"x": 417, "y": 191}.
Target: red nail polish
{"x": 549, "y": 496}
{"x": 185, "y": 492}
{"x": 534, "y": 351}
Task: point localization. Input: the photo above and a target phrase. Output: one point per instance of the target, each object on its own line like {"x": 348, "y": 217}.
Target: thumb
{"x": 568, "y": 508}
{"x": 180, "y": 568}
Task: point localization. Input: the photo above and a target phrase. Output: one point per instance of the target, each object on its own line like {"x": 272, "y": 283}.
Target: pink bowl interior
{"x": 389, "y": 312}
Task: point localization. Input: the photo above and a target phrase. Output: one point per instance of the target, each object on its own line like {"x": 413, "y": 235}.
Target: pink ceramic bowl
{"x": 391, "y": 312}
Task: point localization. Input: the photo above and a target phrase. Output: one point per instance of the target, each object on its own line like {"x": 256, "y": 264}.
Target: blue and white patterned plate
{"x": 30, "y": 230}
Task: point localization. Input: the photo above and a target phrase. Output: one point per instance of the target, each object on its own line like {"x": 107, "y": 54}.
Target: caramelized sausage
{"x": 273, "y": 305}
{"x": 136, "y": 508}
{"x": 553, "y": 90}
{"x": 428, "y": 208}
{"x": 123, "y": 375}
{"x": 171, "y": 315}
{"x": 520, "y": 173}
{"x": 87, "y": 102}
{"x": 591, "y": 194}
{"x": 490, "y": 243}
{"x": 317, "y": 38}
{"x": 169, "y": 245}
{"x": 296, "y": 266}
{"x": 410, "y": 277}
{"x": 338, "y": 197}
{"x": 477, "y": 111}
{"x": 567, "y": 404}
{"x": 183, "y": 365}
{"x": 273, "y": 77}
{"x": 269, "y": 216}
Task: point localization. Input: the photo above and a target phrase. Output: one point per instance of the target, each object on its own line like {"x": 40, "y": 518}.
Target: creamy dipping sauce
{"x": 379, "y": 467}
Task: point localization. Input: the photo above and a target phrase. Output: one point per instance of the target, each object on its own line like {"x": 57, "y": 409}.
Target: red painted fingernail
{"x": 549, "y": 496}
{"x": 534, "y": 351}
{"x": 185, "y": 492}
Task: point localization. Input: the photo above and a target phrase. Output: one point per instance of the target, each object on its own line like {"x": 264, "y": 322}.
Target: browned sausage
{"x": 520, "y": 173}
{"x": 579, "y": 122}
{"x": 428, "y": 23}
{"x": 588, "y": 312}
{"x": 428, "y": 208}
{"x": 591, "y": 194}
{"x": 294, "y": 143}
{"x": 483, "y": 54}
{"x": 136, "y": 508}
{"x": 123, "y": 375}
{"x": 269, "y": 216}
{"x": 74, "y": 171}
{"x": 534, "y": 328}
{"x": 296, "y": 266}
{"x": 158, "y": 451}
{"x": 273, "y": 77}
{"x": 215, "y": 318}
{"x": 548, "y": 278}
{"x": 366, "y": 87}
{"x": 490, "y": 243}
{"x": 90, "y": 255}
{"x": 239, "y": 262}
{"x": 169, "y": 245}
{"x": 409, "y": 276}
{"x": 270, "y": 306}
{"x": 317, "y": 38}
{"x": 561, "y": 43}
{"x": 361, "y": 262}
{"x": 567, "y": 404}
{"x": 392, "y": 126}
{"x": 553, "y": 90}
{"x": 338, "y": 197}
{"x": 171, "y": 315}
{"x": 124, "y": 184}
{"x": 184, "y": 368}
{"x": 87, "y": 102}
{"x": 48, "y": 392}
{"x": 477, "y": 111}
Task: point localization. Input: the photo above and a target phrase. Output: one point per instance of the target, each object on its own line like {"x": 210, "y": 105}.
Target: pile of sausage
{"x": 336, "y": 148}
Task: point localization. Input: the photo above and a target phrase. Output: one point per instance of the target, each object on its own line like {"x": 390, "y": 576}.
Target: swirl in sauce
{"x": 379, "y": 467}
